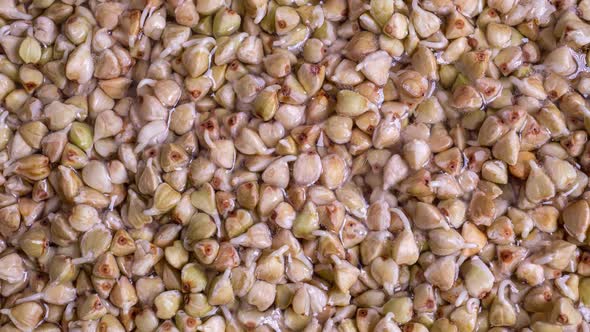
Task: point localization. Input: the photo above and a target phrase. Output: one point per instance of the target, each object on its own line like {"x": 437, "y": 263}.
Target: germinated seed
{"x": 294, "y": 165}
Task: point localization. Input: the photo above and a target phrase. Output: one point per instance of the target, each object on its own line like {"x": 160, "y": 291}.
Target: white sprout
{"x": 464, "y": 295}
{"x": 146, "y": 13}
{"x": 112, "y": 202}
{"x": 83, "y": 260}
{"x": 403, "y": 217}
{"x": 502, "y": 290}
{"x": 206, "y": 42}
{"x": 435, "y": 44}
{"x": 472, "y": 305}
{"x": 146, "y": 81}
{"x": 547, "y": 258}
{"x": 564, "y": 288}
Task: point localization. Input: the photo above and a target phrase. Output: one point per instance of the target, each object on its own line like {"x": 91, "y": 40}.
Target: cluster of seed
{"x": 294, "y": 165}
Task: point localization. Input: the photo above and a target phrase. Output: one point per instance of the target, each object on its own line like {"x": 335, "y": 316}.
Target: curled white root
{"x": 403, "y": 217}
